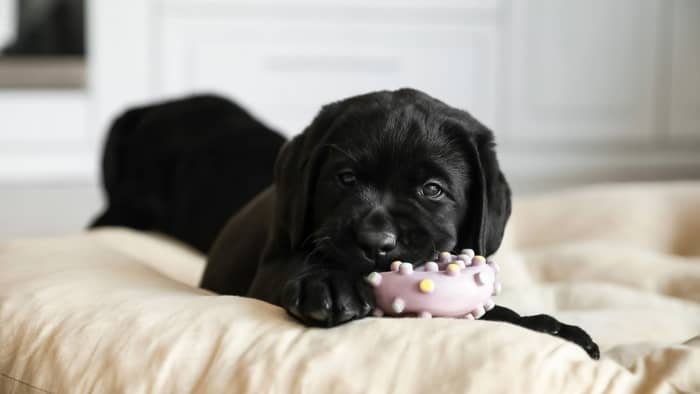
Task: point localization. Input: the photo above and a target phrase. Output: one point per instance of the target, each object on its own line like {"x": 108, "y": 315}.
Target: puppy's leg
{"x": 546, "y": 324}
{"x": 315, "y": 294}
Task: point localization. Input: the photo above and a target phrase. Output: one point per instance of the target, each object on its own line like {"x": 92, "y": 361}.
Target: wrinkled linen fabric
{"x": 119, "y": 311}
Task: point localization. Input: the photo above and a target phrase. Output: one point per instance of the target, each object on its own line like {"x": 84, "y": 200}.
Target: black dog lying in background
{"x": 374, "y": 178}
{"x": 184, "y": 167}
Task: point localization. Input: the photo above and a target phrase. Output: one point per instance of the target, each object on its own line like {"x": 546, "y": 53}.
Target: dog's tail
{"x": 184, "y": 167}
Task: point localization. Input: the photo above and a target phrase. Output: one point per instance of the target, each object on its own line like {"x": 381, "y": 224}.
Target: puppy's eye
{"x": 347, "y": 178}
{"x": 431, "y": 190}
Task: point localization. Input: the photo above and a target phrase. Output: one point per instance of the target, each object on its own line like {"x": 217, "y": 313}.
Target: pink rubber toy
{"x": 454, "y": 286}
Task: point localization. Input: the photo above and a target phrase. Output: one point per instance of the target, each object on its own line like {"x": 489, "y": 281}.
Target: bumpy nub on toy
{"x": 453, "y": 286}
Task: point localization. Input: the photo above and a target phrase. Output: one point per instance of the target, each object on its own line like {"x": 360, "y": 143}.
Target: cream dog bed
{"x": 118, "y": 311}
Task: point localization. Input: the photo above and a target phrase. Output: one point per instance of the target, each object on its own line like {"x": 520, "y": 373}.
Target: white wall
{"x": 45, "y": 208}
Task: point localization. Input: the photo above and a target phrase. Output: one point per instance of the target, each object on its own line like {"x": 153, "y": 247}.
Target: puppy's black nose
{"x": 377, "y": 243}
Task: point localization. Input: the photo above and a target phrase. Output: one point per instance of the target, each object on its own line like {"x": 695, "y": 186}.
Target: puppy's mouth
{"x": 348, "y": 255}
{"x": 376, "y": 258}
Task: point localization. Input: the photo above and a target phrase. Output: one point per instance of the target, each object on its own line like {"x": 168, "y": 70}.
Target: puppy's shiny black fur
{"x": 374, "y": 178}
{"x": 183, "y": 167}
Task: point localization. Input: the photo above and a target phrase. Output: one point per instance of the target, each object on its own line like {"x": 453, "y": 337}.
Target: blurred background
{"x": 577, "y": 92}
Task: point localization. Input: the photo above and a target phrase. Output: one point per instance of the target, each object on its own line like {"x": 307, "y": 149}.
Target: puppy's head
{"x": 390, "y": 176}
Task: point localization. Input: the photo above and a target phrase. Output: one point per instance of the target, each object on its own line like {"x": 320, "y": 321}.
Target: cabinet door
{"x": 285, "y": 70}
{"x": 584, "y": 71}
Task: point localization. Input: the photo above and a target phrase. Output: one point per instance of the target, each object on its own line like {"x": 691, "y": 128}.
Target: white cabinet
{"x": 576, "y": 91}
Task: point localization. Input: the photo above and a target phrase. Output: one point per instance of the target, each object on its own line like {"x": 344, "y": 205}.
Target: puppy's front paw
{"x": 550, "y": 325}
{"x": 327, "y": 298}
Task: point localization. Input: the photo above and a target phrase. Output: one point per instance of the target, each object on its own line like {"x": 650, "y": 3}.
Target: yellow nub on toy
{"x": 452, "y": 267}
{"x": 426, "y": 286}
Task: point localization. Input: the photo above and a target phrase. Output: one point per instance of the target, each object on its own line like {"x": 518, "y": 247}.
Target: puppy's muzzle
{"x": 376, "y": 235}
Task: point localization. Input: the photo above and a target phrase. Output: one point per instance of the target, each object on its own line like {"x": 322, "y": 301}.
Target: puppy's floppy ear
{"x": 489, "y": 196}
{"x": 296, "y": 169}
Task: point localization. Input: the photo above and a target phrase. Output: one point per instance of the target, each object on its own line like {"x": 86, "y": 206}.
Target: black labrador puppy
{"x": 375, "y": 178}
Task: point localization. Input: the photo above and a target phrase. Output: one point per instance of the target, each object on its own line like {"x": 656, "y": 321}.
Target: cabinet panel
{"x": 584, "y": 71}
{"x": 685, "y": 72}
{"x": 284, "y": 73}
